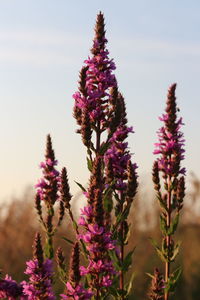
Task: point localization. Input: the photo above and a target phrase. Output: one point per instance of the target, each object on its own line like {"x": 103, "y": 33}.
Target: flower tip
{"x": 173, "y": 86}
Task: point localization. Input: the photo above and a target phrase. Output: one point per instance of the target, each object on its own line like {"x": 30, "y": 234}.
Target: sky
{"x": 43, "y": 44}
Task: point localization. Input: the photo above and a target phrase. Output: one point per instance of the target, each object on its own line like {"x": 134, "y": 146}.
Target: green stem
{"x": 121, "y": 280}
{"x": 168, "y": 237}
{"x": 98, "y": 137}
{"x": 49, "y": 246}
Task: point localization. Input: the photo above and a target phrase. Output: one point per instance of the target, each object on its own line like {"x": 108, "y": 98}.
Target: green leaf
{"x": 74, "y": 224}
{"x": 48, "y": 250}
{"x": 173, "y": 279}
{"x": 154, "y": 243}
{"x": 127, "y": 261}
{"x": 89, "y": 164}
{"x": 161, "y": 255}
{"x": 122, "y": 293}
{"x": 116, "y": 261}
{"x": 80, "y": 185}
{"x": 164, "y": 246}
{"x": 176, "y": 251}
{"x": 163, "y": 225}
{"x": 127, "y": 236}
{"x": 173, "y": 184}
{"x": 62, "y": 274}
{"x": 85, "y": 251}
{"x": 159, "y": 252}
{"x": 176, "y": 274}
{"x": 150, "y": 275}
{"x": 67, "y": 240}
{"x": 173, "y": 225}
{"x": 113, "y": 291}
{"x": 129, "y": 286}
{"x": 162, "y": 202}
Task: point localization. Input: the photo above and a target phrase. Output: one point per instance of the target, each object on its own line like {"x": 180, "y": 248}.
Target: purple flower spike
{"x": 91, "y": 107}
{"x": 47, "y": 187}
{"x": 171, "y": 141}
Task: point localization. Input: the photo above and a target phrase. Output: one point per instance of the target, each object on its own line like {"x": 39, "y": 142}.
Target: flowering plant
{"x": 171, "y": 193}
{"x": 99, "y": 259}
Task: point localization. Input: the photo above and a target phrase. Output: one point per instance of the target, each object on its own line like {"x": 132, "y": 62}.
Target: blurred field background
{"x": 18, "y": 223}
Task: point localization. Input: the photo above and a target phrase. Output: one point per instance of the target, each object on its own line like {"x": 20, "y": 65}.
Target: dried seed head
{"x": 109, "y": 171}
{"x": 77, "y": 114}
{"x": 65, "y": 191}
{"x": 49, "y": 150}
{"x": 38, "y": 204}
{"x": 132, "y": 181}
{"x": 99, "y": 35}
{"x": 37, "y": 249}
{"x": 180, "y": 192}
{"x": 171, "y": 109}
{"x": 117, "y": 115}
{"x": 61, "y": 212}
{"x": 82, "y": 81}
{"x": 86, "y": 131}
{"x": 155, "y": 176}
{"x": 113, "y": 96}
{"x": 60, "y": 258}
{"x": 74, "y": 273}
{"x": 49, "y": 224}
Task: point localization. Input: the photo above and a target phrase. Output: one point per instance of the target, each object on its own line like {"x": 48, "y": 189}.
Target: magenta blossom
{"x": 171, "y": 141}
{"x": 77, "y": 293}
{"x": 40, "y": 282}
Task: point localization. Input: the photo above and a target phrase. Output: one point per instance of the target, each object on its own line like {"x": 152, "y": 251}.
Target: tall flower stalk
{"x": 171, "y": 191}
{"x": 47, "y": 195}
{"x": 101, "y": 115}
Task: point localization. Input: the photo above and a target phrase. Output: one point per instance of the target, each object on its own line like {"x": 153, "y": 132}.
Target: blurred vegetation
{"x": 19, "y": 222}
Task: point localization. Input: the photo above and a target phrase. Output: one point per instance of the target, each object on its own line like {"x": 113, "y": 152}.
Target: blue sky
{"x": 42, "y": 47}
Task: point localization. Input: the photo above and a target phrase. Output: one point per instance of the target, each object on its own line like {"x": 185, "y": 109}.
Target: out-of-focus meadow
{"x": 18, "y": 224}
